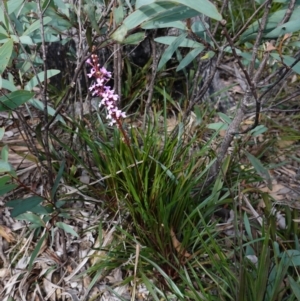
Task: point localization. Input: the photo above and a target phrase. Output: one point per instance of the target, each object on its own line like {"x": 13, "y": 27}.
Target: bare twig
{"x": 205, "y": 86}
{"x": 257, "y": 43}
{"x": 45, "y": 141}
{"x": 284, "y": 74}
{"x": 246, "y": 25}
{"x": 288, "y": 12}
{"x": 150, "y": 87}
{"x": 272, "y": 107}
{"x": 224, "y": 6}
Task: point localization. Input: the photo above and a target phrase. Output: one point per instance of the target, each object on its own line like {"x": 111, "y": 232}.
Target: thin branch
{"x": 72, "y": 85}
{"x": 257, "y": 43}
{"x": 288, "y": 12}
{"x": 246, "y": 25}
{"x": 287, "y": 70}
{"x": 45, "y": 141}
{"x": 150, "y": 87}
{"x": 224, "y": 6}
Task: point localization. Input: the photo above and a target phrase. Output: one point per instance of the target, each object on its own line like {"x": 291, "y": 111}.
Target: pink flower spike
{"x": 92, "y": 73}
{"x": 105, "y": 72}
{"x": 99, "y": 82}
{"x": 88, "y": 61}
{"x": 92, "y": 87}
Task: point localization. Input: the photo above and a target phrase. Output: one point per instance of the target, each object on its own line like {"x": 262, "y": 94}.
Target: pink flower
{"x": 98, "y": 88}
{"x": 105, "y": 72}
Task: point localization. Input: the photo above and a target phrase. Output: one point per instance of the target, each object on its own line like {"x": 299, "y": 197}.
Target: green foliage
{"x": 153, "y": 180}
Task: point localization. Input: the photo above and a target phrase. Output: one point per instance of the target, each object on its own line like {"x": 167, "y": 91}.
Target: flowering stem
{"x": 108, "y": 99}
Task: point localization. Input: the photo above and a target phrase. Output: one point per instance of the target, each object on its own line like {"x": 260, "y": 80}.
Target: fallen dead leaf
{"x": 7, "y": 234}
{"x": 178, "y": 246}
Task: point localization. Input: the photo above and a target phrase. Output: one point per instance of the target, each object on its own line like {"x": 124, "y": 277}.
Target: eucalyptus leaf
{"x": 288, "y": 60}
{"x": 291, "y": 257}
{"x": 36, "y": 25}
{"x": 258, "y": 130}
{"x": 260, "y": 169}
{"x": 137, "y": 18}
{"x": 5, "y": 167}
{"x": 4, "y": 153}
{"x": 14, "y": 99}
{"x": 5, "y": 54}
{"x": 201, "y": 6}
{"x": 66, "y": 228}
{"x": 288, "y": 27}
{"x": 189, "y": 58}
{"x": 41, "y": 76}
{"x": 12, "y": 6}
{"x": 89, "y": 9}
{"x": 22, "y": 205}
{"x": 32, "y": 218}
{"x": 2, "y": 132}
{"x": 153, "y": 24}
{"x": 118, "y": 14}
{"x": 57, "y": 180}
{"x": 170, "y": 50}
{"x": 135, "y": 38}
{"x": 7, "y": 188}
{"x": 184, "y": 43}
{"x": 295, "y": 286}
{"x": 217, "y": 126}
{"x": 37, "y": 250}
{"x": 157, "y": 12}
{"x": 272, "y": 22}
{"x": 40, "y": 106}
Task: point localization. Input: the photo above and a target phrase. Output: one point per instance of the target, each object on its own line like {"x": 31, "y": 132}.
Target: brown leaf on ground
{"x": 7, "y": 234}
{"x": 178, "y": 246}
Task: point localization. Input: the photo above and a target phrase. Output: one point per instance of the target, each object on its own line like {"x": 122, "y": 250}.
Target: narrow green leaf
{"x": 261, "y": 170}
{"x": 4, "y": 180}
{"x": 288, "y": 60}
{"x": 89, "y": 9}
{"x": 6, "y": 84}
{"x": 152, "y": 24}
{"x": 118, "y": 13}
{"x": 134, "y": 39}
{"x": 36, "y": 25}
{"x": 34, "y": 82}
{"x": 295, "y": 287}
{"x": 14, "y": 5}
{"x": 258, "y": 130}
{"x": 291, "y": 257}
{"x": 281, "y": 30}
{"x": 32, "y": 218}
{"x": 4, "y": 153}
{"x": 26, "y": 40}
{"x": 22, "y": 205}
{"x": 202, "y": 6}
{"x": 218, "y": 126}
{"x": 153, "y": 13}
{"x": 37, "y": 250}
{"x": 5, "y": 54}
{"x": 7, "y": 188}
{"x": 66, "y": 228}
{"x": 2, "y": 132}
{"x": 170, "y": 50}
{"x": 184, "y": 43}
{"x": 189, "y": 58}
{"x": 149, "y": 286}
{"x": 170, "y": 15}
{"x": 40, "y": 106}
{"x": 14, "y": 99}
{"x": 57, "y": 180}
{"x": 5, "y": 167}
